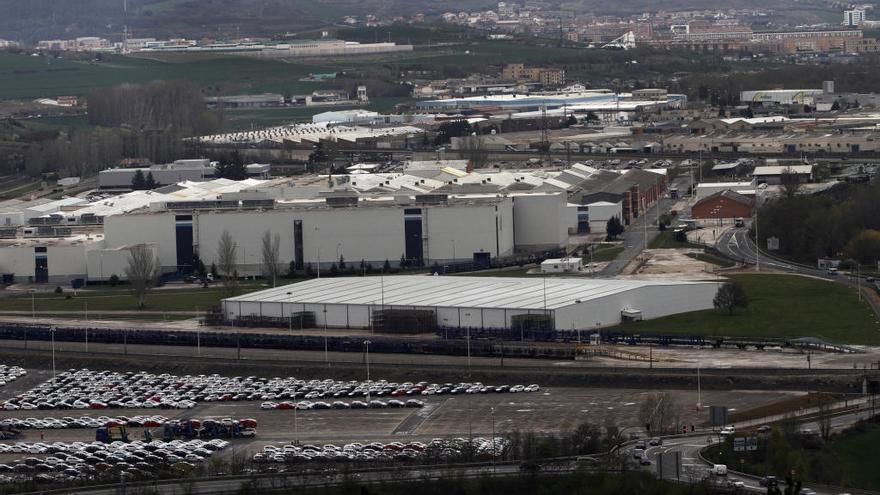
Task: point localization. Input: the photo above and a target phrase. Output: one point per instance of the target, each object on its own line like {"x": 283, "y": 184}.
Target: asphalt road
{"x": 736, "y": 244}
{"x": 634, "y": 237}
{"x": 253, "y": 484}
{"x": 694, "y": 468}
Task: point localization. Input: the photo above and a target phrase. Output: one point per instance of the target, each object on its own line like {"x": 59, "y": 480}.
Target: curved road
{"x": 738, "y": 245}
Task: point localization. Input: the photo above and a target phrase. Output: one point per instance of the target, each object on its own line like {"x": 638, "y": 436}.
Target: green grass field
{"x": 666, "y": 240}
{"x": 712, "y": 259}
{"x": 26, "y": 77}
{"x": 859, "y": 458}
{"x": 120, "y": 299}
{"x": 779, "y": 306}
{"x": 605, "y": 253}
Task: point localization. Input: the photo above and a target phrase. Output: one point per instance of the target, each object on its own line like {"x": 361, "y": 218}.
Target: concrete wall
{"x": 65, "y": 261}
{"x": 601, "y": 213}
{"x": 11, "y": 219}
{"x": 361, "y": 233}
{"x": 125, "y": 230}
{"x": 652, "y": 301}
{"x": 18, "y": 260}
{"x": 541, "y": 221}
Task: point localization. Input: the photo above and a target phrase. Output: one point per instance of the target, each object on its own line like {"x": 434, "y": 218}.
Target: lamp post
{"x": 52, "y": 333}
{"x": 295, "y": 425}
{"x": 492, "y": 411}
{"x": 453, "y": 256}
{"x": 326, "y": 354}
{"x": 367, "y": 359}
{"x": 290, "y": 314}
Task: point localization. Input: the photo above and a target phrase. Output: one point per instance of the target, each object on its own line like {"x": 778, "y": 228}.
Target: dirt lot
{"x": 668, "y": 263}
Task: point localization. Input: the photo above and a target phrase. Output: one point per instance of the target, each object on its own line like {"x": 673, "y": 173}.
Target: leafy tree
{"x": 386, "y": 267}
{"x": 341, "y": 263}
{"x": 455, "y": 128}
{"x": 403, "y": 261}
{"x": 730, "y": 296}
{"x": 150, "y": 182}
{"x": 613, "y": 228}
{"x": 865, "y": 246}
{"x": 233, "y": 169}
{"x": 138, "y": 182}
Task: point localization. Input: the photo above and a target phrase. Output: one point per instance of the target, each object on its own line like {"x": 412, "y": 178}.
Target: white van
{"x": 719, "y": 470}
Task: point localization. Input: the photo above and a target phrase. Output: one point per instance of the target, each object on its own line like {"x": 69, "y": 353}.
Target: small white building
{"x": 562, "y": 265}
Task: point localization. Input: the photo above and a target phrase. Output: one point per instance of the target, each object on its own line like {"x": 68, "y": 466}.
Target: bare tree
{"x": 474, "y": 148}
{"x": 141, "y": 271}
{"x": 270, "y": 256}
{"x": 659, "y": 413}
{"x": 227, "y": 257}
{"x": 825, "y": 418}
{"x": 790, "y": 183}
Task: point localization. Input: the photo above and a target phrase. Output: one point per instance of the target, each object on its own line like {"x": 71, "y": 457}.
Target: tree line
{"x": 160, "y": 105}
{"x": 840, "y": 223}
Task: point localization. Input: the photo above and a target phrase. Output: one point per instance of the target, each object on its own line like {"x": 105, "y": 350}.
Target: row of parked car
{"x": 86, "y": 389}
{"x": 91, "y": 460}
{"x": 66, "y": 422}
{"x": 338, "y": 404}
{"x": 10, "y": 374}
{"x": 438, "y": 448}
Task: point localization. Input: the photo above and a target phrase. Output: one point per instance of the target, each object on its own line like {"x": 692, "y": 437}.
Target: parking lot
{"x": 447, "y": 416}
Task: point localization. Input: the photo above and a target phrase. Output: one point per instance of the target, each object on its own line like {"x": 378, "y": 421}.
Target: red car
{"x": 247, "y": 423}
{"x": 284, "y": 405}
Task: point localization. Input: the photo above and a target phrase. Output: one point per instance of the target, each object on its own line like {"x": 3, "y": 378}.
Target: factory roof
{"x": 782, "y": 169}
{"x": 464, "y": 292}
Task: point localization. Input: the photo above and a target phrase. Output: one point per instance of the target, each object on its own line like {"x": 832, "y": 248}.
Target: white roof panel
{"x": 465, "y": 292}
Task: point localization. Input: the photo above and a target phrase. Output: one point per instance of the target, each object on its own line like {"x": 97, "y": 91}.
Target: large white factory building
{"x": 431, "y": 213}
{"x": 473, "y": 302}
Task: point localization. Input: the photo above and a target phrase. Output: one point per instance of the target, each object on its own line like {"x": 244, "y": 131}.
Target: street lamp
{"x": 367, "y": 348}
{"x": 494, "y": 442}
{"x": 290, "y": 314}
{"x": 326, "y": 355}
{"x": 33, "y": 311}
{"x": 52, "y": 333}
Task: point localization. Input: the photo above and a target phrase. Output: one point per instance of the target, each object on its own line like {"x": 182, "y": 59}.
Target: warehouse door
{"x": 41, "y": 265}
{"x": 412, "y": 232}
{"x": 298, "y": 244}
{"x": 183, "y": 230}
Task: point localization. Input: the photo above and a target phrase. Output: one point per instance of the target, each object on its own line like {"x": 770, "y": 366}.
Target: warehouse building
{"x": 724, "y": 204}
{"x": 431, "y": 302}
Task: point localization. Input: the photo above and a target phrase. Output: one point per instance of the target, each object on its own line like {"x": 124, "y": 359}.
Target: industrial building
{"x": 724, "y": 204}
{"x": 380, "y": 302}
{"x": 435, "y": 212}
